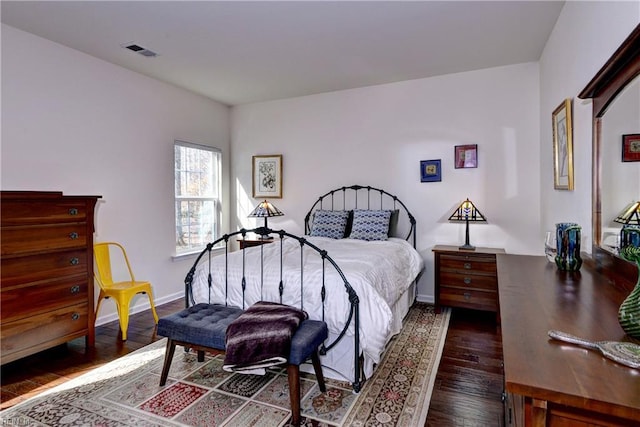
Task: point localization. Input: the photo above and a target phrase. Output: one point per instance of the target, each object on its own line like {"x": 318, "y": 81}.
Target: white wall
{"x": 76, "y": 124}
{"x": 378, "y": 135}
{"x": 584, "y": 37}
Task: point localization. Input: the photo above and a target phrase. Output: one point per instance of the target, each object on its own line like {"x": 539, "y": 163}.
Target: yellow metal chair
{"x": 122, "y": 291}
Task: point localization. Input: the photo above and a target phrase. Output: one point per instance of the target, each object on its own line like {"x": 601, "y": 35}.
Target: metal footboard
{"x": 222, "y": 245}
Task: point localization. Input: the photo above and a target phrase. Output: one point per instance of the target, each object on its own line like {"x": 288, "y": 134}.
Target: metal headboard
{"x": 362, "y": 197}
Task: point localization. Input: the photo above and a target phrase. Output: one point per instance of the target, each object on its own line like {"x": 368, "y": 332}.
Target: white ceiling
{"x": 239, "y": 52}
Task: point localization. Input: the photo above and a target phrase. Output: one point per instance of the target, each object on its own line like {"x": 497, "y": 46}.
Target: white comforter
{"x": 379, "y": 272}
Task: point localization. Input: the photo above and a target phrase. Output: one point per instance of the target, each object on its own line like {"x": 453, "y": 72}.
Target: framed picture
{"x": 631, "y": 147}
{"x": 562, "y": 146}
{"x": 430, "y": 171}
{"x": 267, "y": 176}
{"x": 466, "y": 156}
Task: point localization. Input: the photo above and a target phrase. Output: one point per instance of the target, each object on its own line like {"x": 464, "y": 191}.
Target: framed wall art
{"x": 631, "y": 147}
{"x": 466, "y": 156}
{"x": 562, "y": 146}
{"x": 267, "y": 176}
{"x": 430, "y": 170}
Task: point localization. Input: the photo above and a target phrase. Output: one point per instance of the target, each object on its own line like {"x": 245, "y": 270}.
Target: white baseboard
{"x": 142, "y": 306}
{"x": 426, "y": 298}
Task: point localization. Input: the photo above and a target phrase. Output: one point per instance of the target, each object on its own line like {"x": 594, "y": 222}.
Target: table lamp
{"x": 265, "y": 210}
{"x": 466, "y": 212}
{"x": 630, "y": 220}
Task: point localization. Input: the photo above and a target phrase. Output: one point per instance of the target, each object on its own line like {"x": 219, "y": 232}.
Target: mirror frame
{"x": 617, "y": 72}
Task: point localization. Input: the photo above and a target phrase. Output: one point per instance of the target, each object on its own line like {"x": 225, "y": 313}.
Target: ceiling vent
{"x": 139, "y": 49}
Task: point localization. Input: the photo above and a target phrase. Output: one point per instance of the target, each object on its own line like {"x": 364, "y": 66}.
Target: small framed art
{"x": 466, "y": 156}
{"x": 631, "y": 147}
{"x": 562, "y": 147}
{"x": 267, "y": 176}
{"x": 430, "y": 171}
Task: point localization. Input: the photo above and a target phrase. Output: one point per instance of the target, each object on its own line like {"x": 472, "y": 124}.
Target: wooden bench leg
{"x": 317, "y": 367}
{"x": 293, "y": 373}
{"x": 168, "y": 357}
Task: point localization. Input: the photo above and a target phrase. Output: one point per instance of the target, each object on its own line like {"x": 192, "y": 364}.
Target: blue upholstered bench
{"x": 203, "y": 328}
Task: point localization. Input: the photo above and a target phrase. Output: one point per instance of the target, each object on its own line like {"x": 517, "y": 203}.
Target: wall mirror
{"x": 620, "y": 181}
{"x": 615, "y": 91}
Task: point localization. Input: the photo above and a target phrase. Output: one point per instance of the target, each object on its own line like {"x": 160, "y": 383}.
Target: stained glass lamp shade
{"x": 630, "y": 215}
{"x": 265, "y": 210}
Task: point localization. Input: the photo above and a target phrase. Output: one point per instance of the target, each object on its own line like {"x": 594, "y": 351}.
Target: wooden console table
{"x": 550, "y": 383}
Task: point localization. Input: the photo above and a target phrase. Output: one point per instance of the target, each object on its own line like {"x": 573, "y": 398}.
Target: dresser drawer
{"x": 31, "y": 334}
{"x": 20, "y": 240}
{"x": 37, "y": 268}
{"x": 469, "y": 281}
{"x": 25, "y": 301}
{"x": 469, "y": 298}
{"x": 42, "y": 212}
{"x": 475, "y": 263}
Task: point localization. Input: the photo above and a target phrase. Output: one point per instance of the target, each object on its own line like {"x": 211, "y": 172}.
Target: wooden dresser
{"x": 551, "y": 383}
{"x": 46, "y": 276}
{"x": 466, "y": 278}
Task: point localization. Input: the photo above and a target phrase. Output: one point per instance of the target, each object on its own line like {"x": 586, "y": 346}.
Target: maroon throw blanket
{"x": 261, "y": 337}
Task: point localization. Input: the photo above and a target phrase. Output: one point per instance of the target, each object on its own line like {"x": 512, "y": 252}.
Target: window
{"x": 197, "y": 195}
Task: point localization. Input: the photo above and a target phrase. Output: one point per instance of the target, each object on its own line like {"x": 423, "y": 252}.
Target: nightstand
{"x": 248, "y": 243}
{"x": 467, "y": 279}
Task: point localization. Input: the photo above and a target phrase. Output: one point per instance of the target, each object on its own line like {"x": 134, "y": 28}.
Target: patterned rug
{"x": 125, "y": 392}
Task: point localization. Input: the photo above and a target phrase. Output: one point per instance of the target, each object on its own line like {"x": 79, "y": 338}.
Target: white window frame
{"x": 209, "y": 233}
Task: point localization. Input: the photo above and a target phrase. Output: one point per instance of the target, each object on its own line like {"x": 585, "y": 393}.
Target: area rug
{"x": 125, "y": 392}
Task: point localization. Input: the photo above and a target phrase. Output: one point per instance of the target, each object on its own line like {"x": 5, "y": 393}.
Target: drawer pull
{"x": 75, "y": 289}
{"x": 73, "y": 235}
{"x": 74, "y": 261}
{"x": 467, "y": 280}
{"x": 467, "y": 266}
{"x": 73, "y": 211}
{"x": 75, "y": 316}
{"x": 467, "y": 296}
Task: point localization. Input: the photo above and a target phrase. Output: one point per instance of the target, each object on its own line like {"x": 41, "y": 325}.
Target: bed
{"x": 361, "y": 285}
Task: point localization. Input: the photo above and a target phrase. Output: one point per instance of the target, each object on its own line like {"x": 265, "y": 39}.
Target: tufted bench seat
{"x": 203, "y": 328}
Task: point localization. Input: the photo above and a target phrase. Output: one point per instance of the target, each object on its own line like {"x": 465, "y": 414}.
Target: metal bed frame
{"x": 346, "y": 194}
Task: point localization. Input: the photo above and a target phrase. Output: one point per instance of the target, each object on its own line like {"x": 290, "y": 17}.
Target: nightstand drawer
{"x": 475, "y": 263}
{"x": 468, "y": 280}
{"x": 469, "y": 298}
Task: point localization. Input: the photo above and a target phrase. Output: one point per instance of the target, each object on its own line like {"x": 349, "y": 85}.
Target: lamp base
{"x": 467, "y": 248}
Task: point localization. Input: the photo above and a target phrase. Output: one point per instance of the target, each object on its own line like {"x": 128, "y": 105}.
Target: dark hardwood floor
{"x": 467, "y": 389}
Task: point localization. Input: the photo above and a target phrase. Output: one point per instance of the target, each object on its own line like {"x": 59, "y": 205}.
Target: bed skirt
{"x": 338, "y": 363}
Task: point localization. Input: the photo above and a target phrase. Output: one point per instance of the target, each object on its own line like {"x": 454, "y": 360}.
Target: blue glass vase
{"x": 629, "y": 311}
{"x": 630, "y": 236}
{"x": 568, "y": 246}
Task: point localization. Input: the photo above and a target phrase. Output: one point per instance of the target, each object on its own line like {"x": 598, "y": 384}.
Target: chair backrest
{"x": 103, "y": 271}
